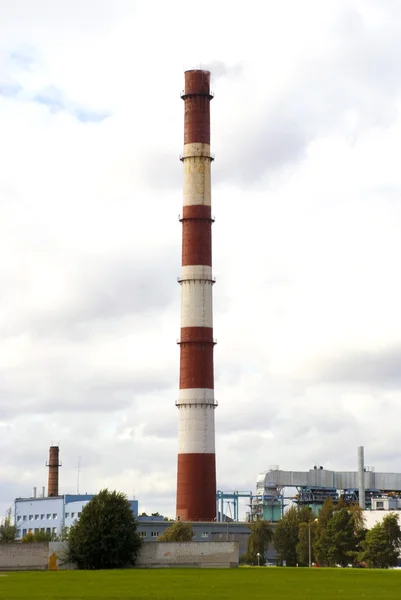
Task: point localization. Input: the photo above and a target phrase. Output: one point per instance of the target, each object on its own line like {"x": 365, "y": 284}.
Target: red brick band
{"x": 197, "y": 107}
{"x": 197, "y": 211}
{"x": 196, "y": 243}
{"x": 197, "y": 334}
{"x": 196, "y": 365}
{"x": 197, "y": 82}
{"x": 197, "y": 120}
{"x": 196, "y": 489}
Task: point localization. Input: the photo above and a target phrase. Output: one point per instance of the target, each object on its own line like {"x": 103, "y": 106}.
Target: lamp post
{"x": 258, "y": 555}
{"x": 309, "y": 542}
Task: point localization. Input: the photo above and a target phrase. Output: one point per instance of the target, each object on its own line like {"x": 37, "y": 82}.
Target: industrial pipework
{"x": 196, "y": 473}
{"x": 53, "y": 464}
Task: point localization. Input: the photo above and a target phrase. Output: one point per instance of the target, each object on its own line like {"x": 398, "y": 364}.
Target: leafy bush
{"x": 105, "y": 537}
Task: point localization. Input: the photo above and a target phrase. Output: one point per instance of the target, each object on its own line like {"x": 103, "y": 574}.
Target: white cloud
{"x": 307, "y": 196}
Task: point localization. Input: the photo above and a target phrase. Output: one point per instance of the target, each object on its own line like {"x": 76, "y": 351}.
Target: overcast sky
{"x": 306, "y": 128}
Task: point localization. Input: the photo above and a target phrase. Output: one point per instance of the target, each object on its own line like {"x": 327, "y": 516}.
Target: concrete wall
{"x": 52, "y": 555}
{"x": 23, "y": 557}
{"x": 189, "y": 554}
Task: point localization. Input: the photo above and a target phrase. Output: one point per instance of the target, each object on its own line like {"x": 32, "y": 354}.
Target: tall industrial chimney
{"x": 196, "y": 476}
{"x": 53, "y": 464}
{"x": 361, "y": 477}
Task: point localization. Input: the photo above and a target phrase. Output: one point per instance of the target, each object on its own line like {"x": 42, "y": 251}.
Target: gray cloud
{"x": 380, "y": 368}
{"x": 360, "y": 76}
{"x": 102, "y": 291}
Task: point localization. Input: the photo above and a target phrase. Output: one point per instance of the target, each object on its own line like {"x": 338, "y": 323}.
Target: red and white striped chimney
{"x": 196, "y": 477}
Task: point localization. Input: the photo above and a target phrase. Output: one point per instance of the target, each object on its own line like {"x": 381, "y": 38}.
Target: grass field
{"x": 172, "y": 584}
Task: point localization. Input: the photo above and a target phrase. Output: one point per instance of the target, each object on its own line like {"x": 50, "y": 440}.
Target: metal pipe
{"x": 361, "y": 477}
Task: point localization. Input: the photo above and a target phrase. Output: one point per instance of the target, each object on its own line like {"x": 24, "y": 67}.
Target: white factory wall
{"x": 376, "y": 516}
{"x": 43, "y": 514}
{"x": 50, "y": 515}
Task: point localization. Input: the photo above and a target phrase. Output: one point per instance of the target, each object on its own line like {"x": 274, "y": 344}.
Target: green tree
{"x": 178, "y": 532}
{"x": 8, "y": 531}
{"x": 339, "y": 533}
{"x": 258, "y": 542}
{"x": 342, "y": 541}
{"x": 380, "y": 549}
{"x": 359, "y": 519}
{"x": 286, "y": 533}
{"x": 302, "y": 548}
{"x": 320, "y": 546}
{"x": 63, "y": 535}
{"x": 105, "y": 537}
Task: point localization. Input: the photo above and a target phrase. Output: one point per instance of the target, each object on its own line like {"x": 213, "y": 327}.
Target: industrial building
{"x": 53, "y": 513}
{"x": 372, "y": 490}
{"x": 276, "y": 489}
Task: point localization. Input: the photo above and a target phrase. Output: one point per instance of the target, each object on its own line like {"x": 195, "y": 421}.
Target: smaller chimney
{"x": 53, "y": 464}
{"x": 43, "y": 491}
{"x": 34, "y": 492}
{"x": 361, "y": 477}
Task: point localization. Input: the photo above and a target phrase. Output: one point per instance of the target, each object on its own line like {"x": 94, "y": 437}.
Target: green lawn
{"x": 252, "y": 583}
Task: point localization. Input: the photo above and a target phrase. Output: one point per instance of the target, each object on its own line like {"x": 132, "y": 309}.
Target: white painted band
{"x": 196, "y": 303}
{"x": 196, "y": 430}
{"x": 196, "y": 149}
{"x": 197, "y": 183}
{"x": 196, "y": 396}
{"x": 196, "y": 272}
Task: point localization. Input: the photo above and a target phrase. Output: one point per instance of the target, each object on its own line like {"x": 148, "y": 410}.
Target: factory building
{"x": 53, "y": 513}
{"x": 372, "y": 490}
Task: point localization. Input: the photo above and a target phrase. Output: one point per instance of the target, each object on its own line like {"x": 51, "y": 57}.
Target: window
{"x": 24, "y": 518}
{"x": 42, "y": 517}
{"x": 36, "y": 517}
{"x": 42, "y": 530}
{"x": 23, "y": 532}
{"x": 48, "y": 530}
{"x": 35, "y": 530}
{"x": 142, "y": 533}
{"x": 48, "y": 516}
{"x": 30, "y": 517}
{"x": 19, "y": 518}
{"x": 18, "y": 535}
{"x": 79, "y": 514}
{"x": 379, "y": 504}
{"x": 154, "y": 534}
{"x": 54, "y": 515}
{"x": 72, "y": 515}
{"x": 29, "y": 530}
{"x": 67, "y": 515}
{"x": 54, "y": 529}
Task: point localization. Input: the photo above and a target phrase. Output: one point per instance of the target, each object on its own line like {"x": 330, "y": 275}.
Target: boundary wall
{"x": 52, "y": 556}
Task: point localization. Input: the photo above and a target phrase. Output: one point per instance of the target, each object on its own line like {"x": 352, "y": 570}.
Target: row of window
{"x": 204, "y": 534}
{"x": 47, "y": 516}
{"x": 36, "y": 530}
